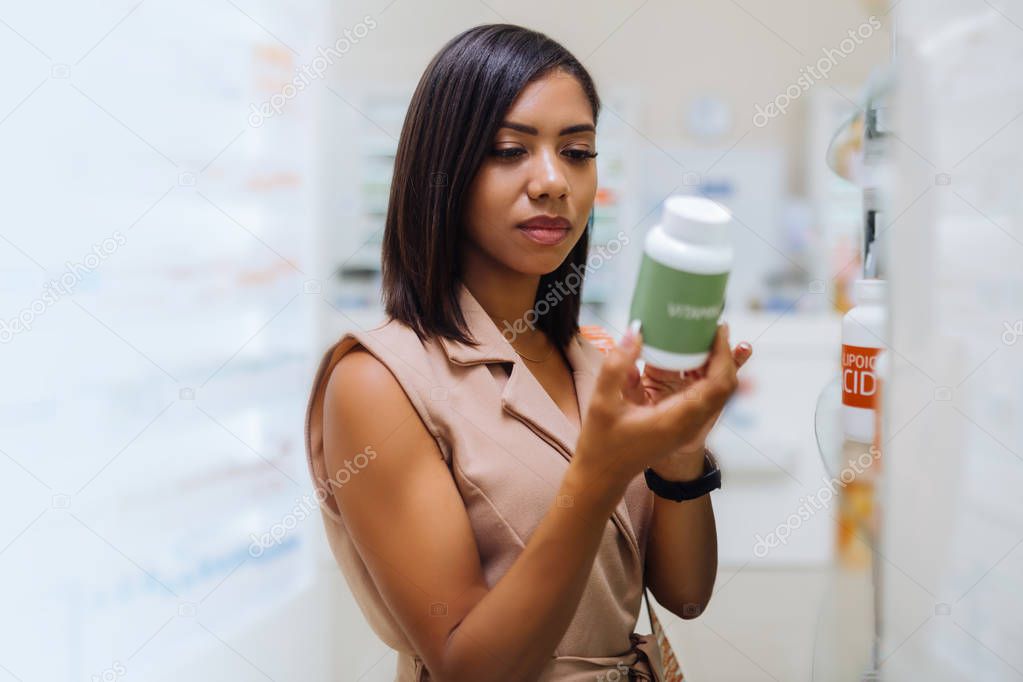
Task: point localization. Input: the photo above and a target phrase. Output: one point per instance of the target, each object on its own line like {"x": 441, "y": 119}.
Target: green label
{"x": 679, "y": 310}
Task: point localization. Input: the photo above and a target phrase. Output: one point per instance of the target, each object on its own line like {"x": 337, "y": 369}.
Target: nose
{"x": 547, "y": 177}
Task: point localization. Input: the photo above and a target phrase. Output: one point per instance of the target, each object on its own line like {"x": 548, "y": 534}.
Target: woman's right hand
{"x": 623, "y": 433}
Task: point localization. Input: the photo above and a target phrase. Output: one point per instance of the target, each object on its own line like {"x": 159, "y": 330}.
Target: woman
{"x": 481, "y": 488}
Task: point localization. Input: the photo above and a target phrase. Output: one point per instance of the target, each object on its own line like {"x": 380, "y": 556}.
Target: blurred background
{"x": 193, "y": 197}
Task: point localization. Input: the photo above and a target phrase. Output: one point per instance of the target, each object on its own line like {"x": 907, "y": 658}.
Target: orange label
{"x": 859, "y": 378}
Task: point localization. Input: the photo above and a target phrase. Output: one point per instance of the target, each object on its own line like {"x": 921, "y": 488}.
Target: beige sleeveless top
{"x": 508, "y": 446}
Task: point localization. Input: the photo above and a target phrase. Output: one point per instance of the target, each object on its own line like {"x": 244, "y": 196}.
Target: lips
{"x": 543, "y": 222}
{"x": 547, "y": 230}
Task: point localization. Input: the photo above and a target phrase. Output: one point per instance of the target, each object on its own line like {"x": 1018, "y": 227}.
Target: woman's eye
{"x": 580, "y": 154}
{"x": 508, "y": 153}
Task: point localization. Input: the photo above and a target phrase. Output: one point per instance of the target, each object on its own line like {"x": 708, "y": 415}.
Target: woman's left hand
{"x": 656, "y": 384}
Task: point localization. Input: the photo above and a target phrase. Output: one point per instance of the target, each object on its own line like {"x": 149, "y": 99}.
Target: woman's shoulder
{"x": 381, "y": 359}
{"x": 365, "y": 398}
{"x": 391, "y": 343}
{"x": 360, "y": 368}
{"x": 362, "y": 388}
{"x": 386, "y": 372}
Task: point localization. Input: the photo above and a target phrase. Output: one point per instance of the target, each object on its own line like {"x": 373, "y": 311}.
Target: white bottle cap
{"x": 869, "y": 291}
{"x": 696, "y": 220}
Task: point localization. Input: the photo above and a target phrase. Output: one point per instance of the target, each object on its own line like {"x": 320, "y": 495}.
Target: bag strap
{"x": 672, "y": 669}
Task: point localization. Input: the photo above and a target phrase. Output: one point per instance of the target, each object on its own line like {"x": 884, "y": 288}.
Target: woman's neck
{"x": 507, "y": 298}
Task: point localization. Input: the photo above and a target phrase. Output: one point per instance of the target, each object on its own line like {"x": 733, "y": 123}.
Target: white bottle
{"x": 863, "y": 333}
{"x": 680, "y": 290}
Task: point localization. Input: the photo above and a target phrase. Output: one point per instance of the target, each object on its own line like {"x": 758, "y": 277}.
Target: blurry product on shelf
{"x": 851, "y": 203}
{"x": 835, "y": 133}
{"x": 876, "y": 180}
{"x": 856, "y": 523}
{"x": 845, "y": 153}
{"x": 859, "y": 154}
{"x": 881, "y": 370}
{"x": 871, "y": 218}
{"x": 598, "y": 336}
{"x": 858, "y": 512}
{"x": 848, "y": 267}
{"x": 863, "y": 331}
{"x": 680, "y": 291}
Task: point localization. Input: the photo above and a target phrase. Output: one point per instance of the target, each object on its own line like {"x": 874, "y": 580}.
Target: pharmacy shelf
{"x": 853, "y": 149}
{"x": 851, "y": 646}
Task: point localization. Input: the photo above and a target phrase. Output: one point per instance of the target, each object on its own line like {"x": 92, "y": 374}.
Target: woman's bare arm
{"x": 408, "y": 520}
{"x": 682, "y": 553}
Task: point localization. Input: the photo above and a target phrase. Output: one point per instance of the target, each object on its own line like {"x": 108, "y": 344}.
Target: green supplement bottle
{"x": 680, "y": 292}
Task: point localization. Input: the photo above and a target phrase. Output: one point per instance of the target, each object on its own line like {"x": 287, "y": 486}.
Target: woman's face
{"x": 531, "y": 199}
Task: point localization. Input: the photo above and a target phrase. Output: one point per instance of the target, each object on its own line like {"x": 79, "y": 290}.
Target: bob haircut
{"x": 451, "y": 123}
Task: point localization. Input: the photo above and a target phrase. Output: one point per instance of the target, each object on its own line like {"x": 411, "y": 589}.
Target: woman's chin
{"x": 540, "y": 267}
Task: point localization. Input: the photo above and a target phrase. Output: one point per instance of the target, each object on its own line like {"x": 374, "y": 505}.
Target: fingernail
{"x": 746, "y": 348}
{"x": 631, "y": 334}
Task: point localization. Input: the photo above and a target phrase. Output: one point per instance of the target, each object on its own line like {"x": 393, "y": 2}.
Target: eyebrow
{"x": 530, "y": 130}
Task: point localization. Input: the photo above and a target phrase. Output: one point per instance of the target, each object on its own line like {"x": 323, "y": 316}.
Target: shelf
{"x": 853, "y": 147}
{"x": 856, "y": 648}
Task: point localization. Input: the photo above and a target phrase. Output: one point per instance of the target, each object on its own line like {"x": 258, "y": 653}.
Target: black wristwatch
{"x": 686, "y": 490}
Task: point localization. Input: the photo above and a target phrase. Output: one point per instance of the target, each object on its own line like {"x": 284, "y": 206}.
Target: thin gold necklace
{"x": 521, "y": 355}
{"x": 545, "y": 358}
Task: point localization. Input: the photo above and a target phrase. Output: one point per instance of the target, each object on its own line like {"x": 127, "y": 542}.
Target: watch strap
{"x": 679, "y": 491}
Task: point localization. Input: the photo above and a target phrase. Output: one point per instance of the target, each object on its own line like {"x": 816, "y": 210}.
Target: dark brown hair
{"x": 452, "y": 119}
